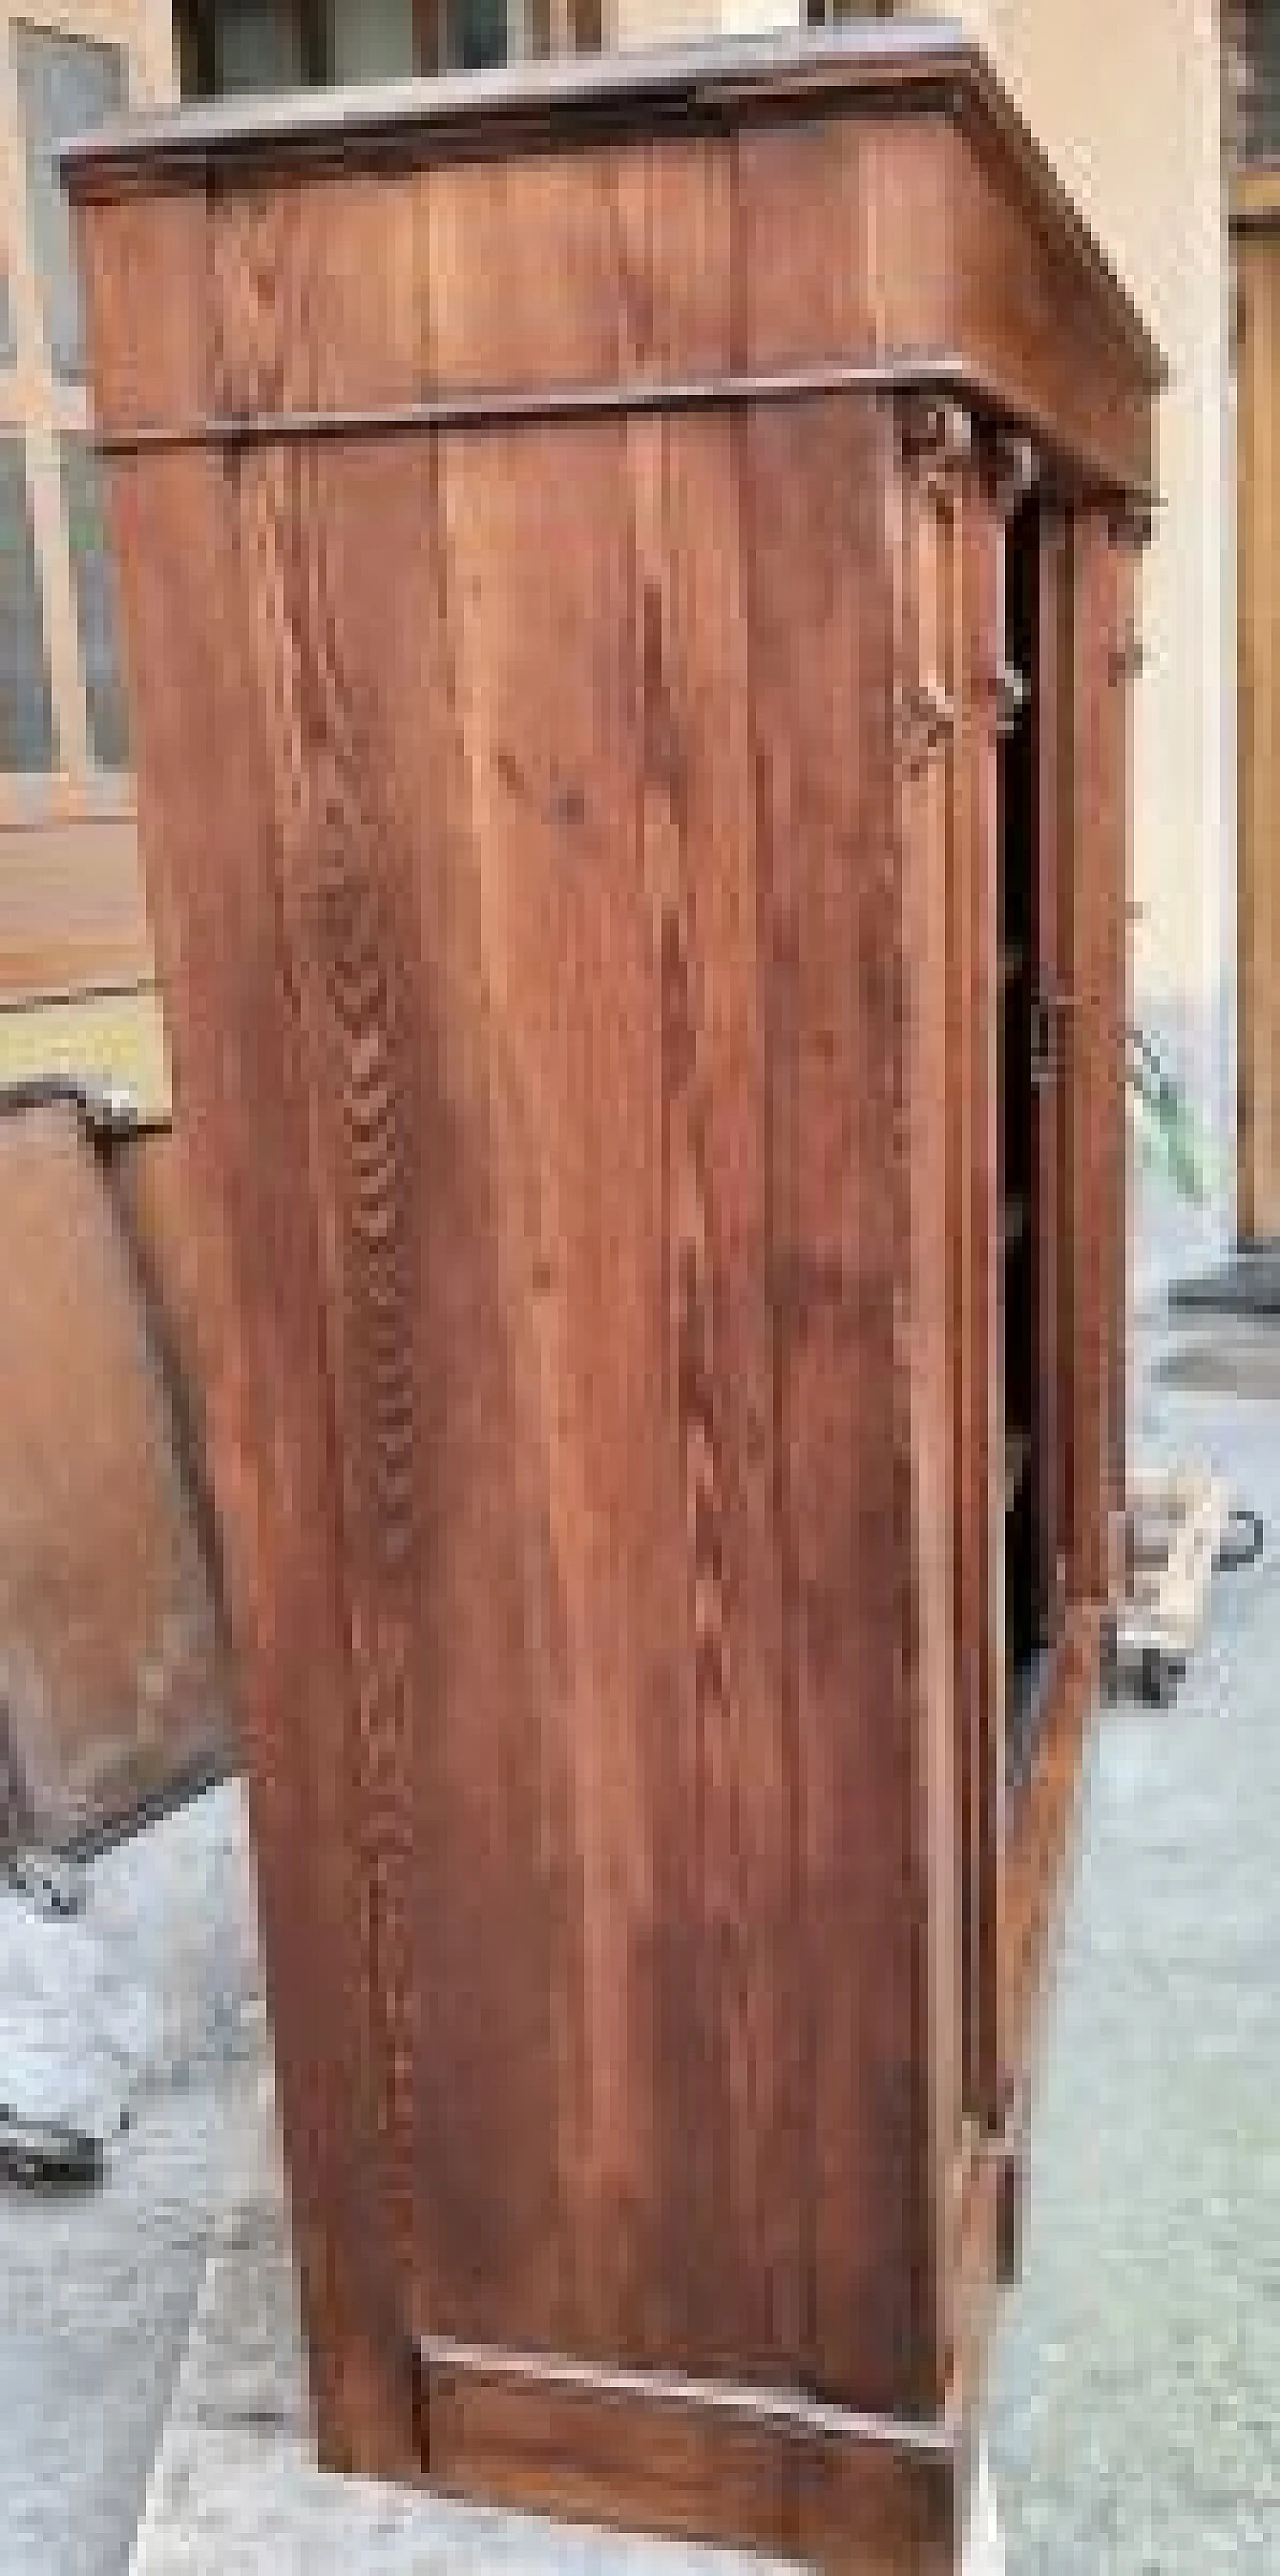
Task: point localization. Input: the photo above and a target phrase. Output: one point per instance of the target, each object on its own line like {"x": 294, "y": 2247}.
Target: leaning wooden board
{"x": 563, "y": 524}
{"x": 113, "y": 1684}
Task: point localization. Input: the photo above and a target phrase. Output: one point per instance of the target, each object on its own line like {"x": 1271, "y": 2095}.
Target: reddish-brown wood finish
{"x": 1054, "y": 764}
{"x": 71, "y": 910}
{"x": 146, "y": 1177}
{"x": 573, "y": 848}
{"x": 113, "y": 1691}
{"x": 1100, "y": 634}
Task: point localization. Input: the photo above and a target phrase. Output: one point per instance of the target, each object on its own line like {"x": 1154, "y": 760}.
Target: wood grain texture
{"x": 578, "y": 908}
{"x": 1055, "y": 853}
{"x": 928, "y": 660}
{"x": 215, "y": 905}
{"x": 821, "y": 2497}
{"x": 112, "y": 1679}
{"x": 974, "y": 992}
{"x": 1041, "y": 1857}
{"x": 71, "y": 908}
{"x": 996, "y": 299}
{"x": 150, "y": 1195}
{"x": 1096, "y": 1076}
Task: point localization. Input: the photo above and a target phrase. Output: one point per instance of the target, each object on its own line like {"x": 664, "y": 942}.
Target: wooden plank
{"x": 847, "y": 1106}
{"x": 980, "y": 1466}
{"x": 1042, "y": 1850}
{"x": 1097, "y": 1052}
{"x": 112, "y": 1684}
{"x": 926, "y": 660}
{"x": 1056, "y": 855}
{"x": 213, "y": 889}
{"x": 150, "y": 1191}
{"x": 807, "y": 2493}
{"x": 71, "y": 911}
{"x": 1051, "y": 853}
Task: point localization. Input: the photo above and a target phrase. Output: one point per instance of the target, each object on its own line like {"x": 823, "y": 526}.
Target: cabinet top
{"x": 868, "y": 68}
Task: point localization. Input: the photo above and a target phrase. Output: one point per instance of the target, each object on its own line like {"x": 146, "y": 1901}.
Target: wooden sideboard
{"x": 629, "y": 580}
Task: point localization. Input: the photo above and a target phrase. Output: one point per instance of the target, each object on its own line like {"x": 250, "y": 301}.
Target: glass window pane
{"x": 94, "y": 581}
{"x": 373, "y": 41}
{"x": 65, "y": 85}
{"x": 479, "y": 34}
{"x": 8, "y": 340}
{"x": 259, "y": 45}
{"x": 26, "y": 702}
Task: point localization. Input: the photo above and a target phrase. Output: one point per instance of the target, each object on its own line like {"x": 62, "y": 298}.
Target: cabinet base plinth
{"x": 686, "y": 2461}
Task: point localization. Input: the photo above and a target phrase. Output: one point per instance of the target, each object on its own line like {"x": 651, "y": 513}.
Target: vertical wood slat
{"x": 270, "y": 1420}
{"x": 928, "y": 658}
{"x": 1098, "y": 1049}
{"x": 980, "y": 1463}
{"x": 1051, "y": 685}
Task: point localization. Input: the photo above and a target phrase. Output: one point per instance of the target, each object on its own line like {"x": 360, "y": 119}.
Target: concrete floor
{"x": 1133, "y": 2418}
{"x": 1135, "y": 2415}
{"x": 145, "y": 2005}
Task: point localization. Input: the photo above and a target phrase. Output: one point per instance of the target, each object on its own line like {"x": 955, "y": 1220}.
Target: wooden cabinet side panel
{"x": 210, "y": 838}
{"x": 694, "y": 964}
{"x": 552, "y": 1057}
{"x": 1097, "y": 1050}
{"x": 537, "y": 984}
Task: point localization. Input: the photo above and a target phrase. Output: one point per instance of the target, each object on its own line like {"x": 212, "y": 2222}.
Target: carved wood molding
{"x": 1131, "y": 523}
{"x": 926, "y": 721}
{"x": 935, "y": 434}
{"x": 1011, "y": 469}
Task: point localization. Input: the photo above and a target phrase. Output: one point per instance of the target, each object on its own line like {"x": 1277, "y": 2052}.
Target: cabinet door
{"x": 1052, "y": 734}
{"x": 935, "y": 1276}
{"x": 975, "y": 1191}
{"x": 1102, "y": 610}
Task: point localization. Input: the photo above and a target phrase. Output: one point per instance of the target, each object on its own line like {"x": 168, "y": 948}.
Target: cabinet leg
{"x": 364, "y": 2396}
